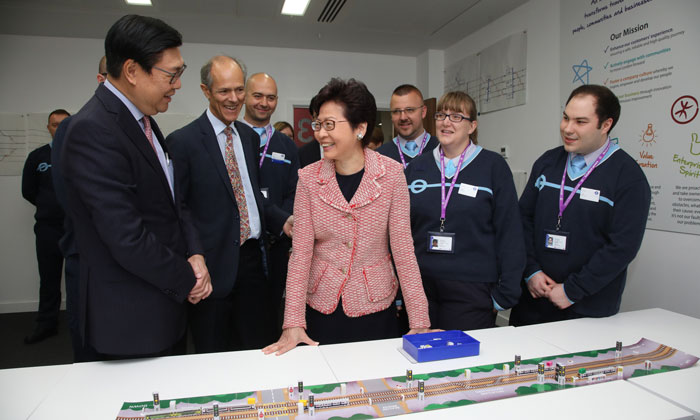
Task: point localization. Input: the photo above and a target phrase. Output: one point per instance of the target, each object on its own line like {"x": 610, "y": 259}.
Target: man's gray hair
{"x": 205, "y": 73}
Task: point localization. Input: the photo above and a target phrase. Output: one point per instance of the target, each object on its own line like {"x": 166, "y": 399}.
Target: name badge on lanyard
{"x": 268, "y": 131}
{"x": 558, "y": 240}
{"x": 444, "y": 242}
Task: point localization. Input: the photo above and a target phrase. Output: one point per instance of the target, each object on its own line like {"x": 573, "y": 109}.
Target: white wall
{"x": 663, "y": 274}
{"x": 41, "y": 74}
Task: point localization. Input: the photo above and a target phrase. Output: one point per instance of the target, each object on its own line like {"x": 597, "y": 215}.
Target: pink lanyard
{"x": 422, "y": 146}
{"x": 563, "y": 204}
{"x": 268, "y": 131}
{"x": 445, "y": 200}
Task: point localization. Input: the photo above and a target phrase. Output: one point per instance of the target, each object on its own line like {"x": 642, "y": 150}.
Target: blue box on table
{"x": 440, "y": 345}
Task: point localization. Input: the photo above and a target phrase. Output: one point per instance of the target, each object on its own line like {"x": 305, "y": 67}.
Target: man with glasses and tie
{"x": 140, "y": 256}
{"x": 278, "y": 164}
{"x": 584, "y": 211}
{"x": 407, "y": 113}
{"x": 217, "y": 163}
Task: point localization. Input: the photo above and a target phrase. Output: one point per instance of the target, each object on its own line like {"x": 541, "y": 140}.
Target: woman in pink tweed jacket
{"x": 349, "y": 208}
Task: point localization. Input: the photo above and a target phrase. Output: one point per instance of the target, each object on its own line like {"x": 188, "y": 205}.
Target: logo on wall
{"x": 694, "y": 144}
{"x": 684, "y": 109}
{"x": 648, "y": 136}
{"x": 580, "y": 71}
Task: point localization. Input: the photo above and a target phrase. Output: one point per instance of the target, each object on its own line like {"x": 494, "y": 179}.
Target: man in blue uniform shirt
{"x": 407, "y": 113}
{"x": 584, "y": 212}
{"x": 278, "y": 163}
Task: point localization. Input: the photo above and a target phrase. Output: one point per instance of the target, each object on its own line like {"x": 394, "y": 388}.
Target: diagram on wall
{"x": 13, "y": 144}
{"x": 495, "y": 77}
{"x": 641, "y": 51}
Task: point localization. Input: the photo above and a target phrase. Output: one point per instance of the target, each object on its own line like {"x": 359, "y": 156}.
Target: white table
{"x": 22, "y": 390}
{"x": 665, "y": 327}
{"x": 609, "y": 400}
{"x": 97, "y": 390}
{"x": 379, "y": 359}
{"x": 681, "y": 387}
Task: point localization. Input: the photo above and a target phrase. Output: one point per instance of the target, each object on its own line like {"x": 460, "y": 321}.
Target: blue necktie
{"x": 450, "y": 169}
{"x": 578, "y": 162}
{"x": 411, "y": 146}
{"x": 263, "y": 135}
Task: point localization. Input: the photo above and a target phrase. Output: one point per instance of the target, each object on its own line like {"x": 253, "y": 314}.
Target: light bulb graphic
{"x": 649, "y": 135}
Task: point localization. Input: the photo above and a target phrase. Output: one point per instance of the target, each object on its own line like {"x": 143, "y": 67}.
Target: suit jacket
{"x": 309, "y": 153}
{"x": 280, "y": 179}
{"x": 67, "y": 242}
{"x": 206, "y": 188}
{"x": 341, "y": 249}
{"x": 133, "y": 236}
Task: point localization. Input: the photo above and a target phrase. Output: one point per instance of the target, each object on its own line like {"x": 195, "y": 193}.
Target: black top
{"x": 348, "y": 183}
{"x": 37, "y": 186}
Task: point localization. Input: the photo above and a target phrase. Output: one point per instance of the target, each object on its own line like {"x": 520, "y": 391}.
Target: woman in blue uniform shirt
{"x": 465, "y": 223}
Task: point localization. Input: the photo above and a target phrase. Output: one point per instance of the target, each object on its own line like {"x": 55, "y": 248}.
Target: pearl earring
{"x": 359, "y": 136}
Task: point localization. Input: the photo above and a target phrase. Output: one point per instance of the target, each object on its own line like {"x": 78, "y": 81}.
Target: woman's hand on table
{"x": 289, "y": 339}
{"x": 422, "y": 331}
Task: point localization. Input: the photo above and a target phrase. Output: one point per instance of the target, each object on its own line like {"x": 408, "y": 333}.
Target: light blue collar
{"x": 451, "y": 164}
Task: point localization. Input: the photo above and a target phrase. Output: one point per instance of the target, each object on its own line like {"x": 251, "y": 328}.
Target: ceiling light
{"x": 295, "y": 7}
{"x": 139, "y": 2}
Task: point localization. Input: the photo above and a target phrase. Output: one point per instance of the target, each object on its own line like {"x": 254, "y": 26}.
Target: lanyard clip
{"x": 442, "y": 224}
{"x": 558, "y": 223}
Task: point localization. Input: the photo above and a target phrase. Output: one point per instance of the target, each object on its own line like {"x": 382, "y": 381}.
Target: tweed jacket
{"x": 341, "y": 249}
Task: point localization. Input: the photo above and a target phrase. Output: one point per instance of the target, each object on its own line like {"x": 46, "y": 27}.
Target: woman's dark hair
{"x": 356, "y": 100}
{"x": 140, "y": 38}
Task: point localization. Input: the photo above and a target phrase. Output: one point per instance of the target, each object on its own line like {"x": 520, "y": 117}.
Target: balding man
{"x": 216, "y": 161}
{"x": 278, "y": 164}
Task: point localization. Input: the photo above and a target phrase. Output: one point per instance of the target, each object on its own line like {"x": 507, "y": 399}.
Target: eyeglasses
{"x": 327, "y": 125}
{"x": 173, "y": 76}
{"x": 440, "y": 116}
{"x": 407, "y": 111}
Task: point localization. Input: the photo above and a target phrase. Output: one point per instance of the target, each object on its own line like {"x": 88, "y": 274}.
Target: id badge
{"x": 277, "y": 157}
{"x": 557, "y": 241}
{"x": 265, "y": 192}
{"x": 441, "y": 242}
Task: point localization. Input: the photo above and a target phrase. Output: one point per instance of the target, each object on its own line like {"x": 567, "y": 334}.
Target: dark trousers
{"x": 339, "y": 328}
{"x": 81, "y": 351}
{"x": 50, "y": 261}
{"x": 459, "y": 305}
{"x": 177, "y": 349}
{"x": 278, "y": 259}
{"x": 242, "y": 320}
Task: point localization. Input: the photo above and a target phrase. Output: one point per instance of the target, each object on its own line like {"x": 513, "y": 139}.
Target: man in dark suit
{"x": 37, "y": 188}
{"x": 140, "y": 257}
{"x": 217, "y": 157}
{"x": 81, "y": 352}
{"x": 278, "y": 164}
